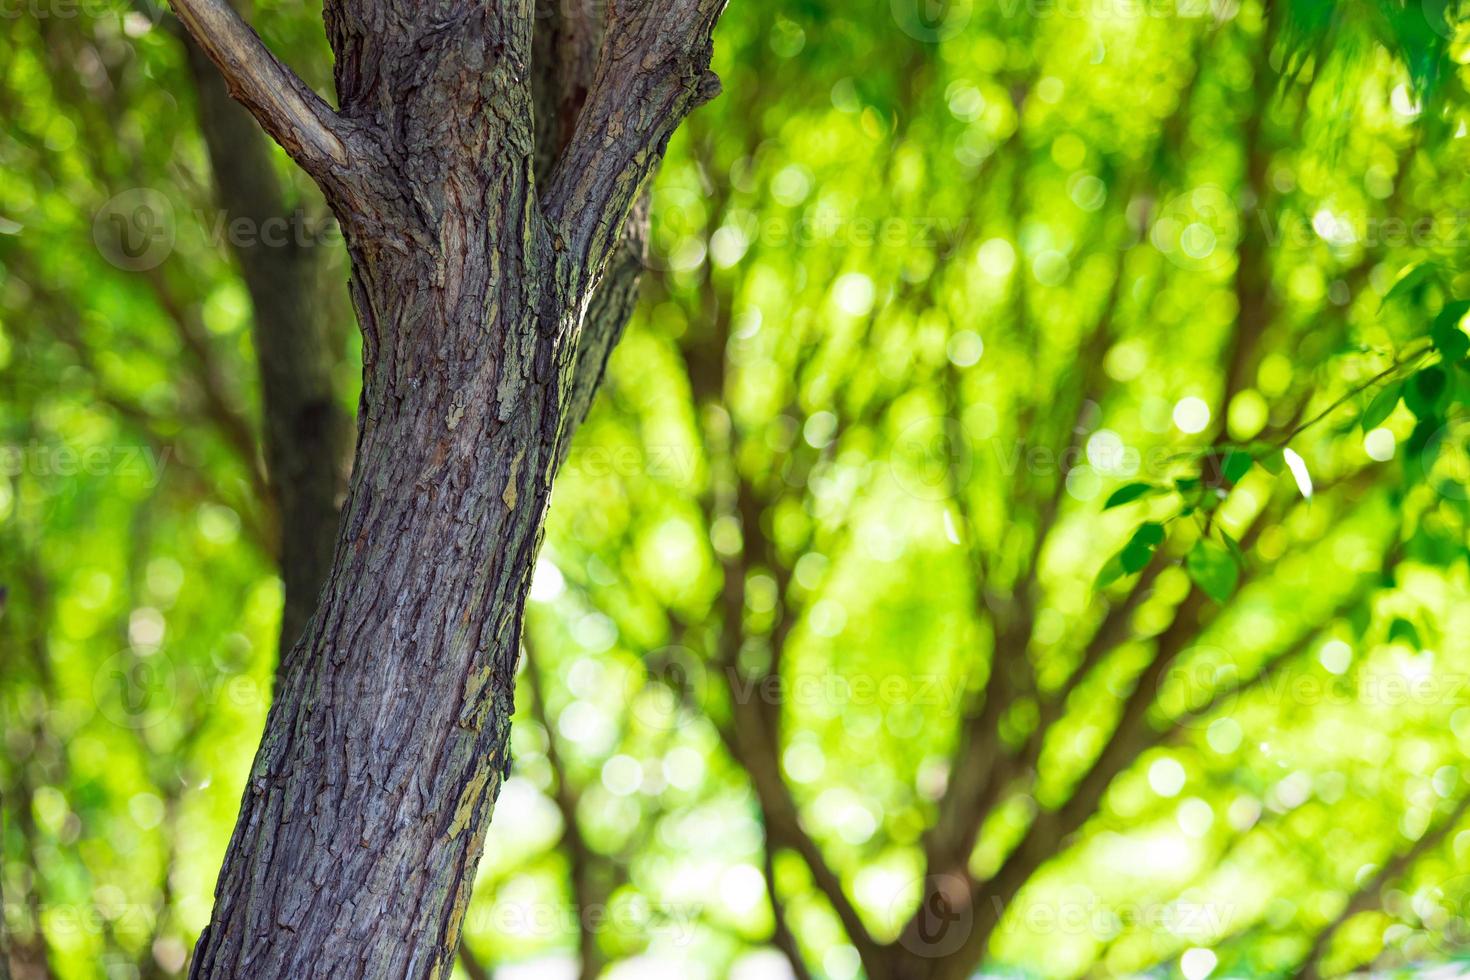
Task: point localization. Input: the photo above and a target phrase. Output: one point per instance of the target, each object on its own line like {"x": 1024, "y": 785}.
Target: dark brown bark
{"x": 370, "y": 798}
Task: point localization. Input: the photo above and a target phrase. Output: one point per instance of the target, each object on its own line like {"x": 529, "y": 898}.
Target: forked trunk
{"x": 473, "y": 276}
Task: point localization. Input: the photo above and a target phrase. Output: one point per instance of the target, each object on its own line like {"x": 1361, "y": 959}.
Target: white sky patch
{"x": 547, "y": 583}
{"x": 1403, "y": 101}
{"x": 1083, "y": 483}
{"x": 1332, "y": 229}
{"x": 1197, "y": 963}
{"x": 558, "y": 966}
{"x": 855, "y": 294}
{"x": 997, "y": 258}
{"x": 966, "y": 348}
{"x": 1191, "y": 415}
{"x": 742, "y": 888}
{"x": 1336, "y": 657}
{"x": 1380, "y": 445}
{"x": 950, "y": 531}
{"x": 622, "y": 775}
{"x": 1166, "y": 777}
{"x": 1195, "y": 817}
{"x": 1298, "y": 467}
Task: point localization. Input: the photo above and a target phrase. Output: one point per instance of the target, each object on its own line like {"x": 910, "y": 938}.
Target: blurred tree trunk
{"x": 306, "y": 431}
{"x": 486, "y": 322}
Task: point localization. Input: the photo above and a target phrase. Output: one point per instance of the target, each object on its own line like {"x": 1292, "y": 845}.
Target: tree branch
{"x": 1276, "y": 663}
{"x": 983, "y": 762}
{"x": 1363, "y": 898}
{"x": 1130, "y": 737}
{"x": 781, "y": 935}
{"x": 306, "y": 433}
{"x": 471, "y": 963}
{"x": 233, "y": 426}
{"x": 284, "y": 105}
{"x": 753, "y": 734}
{"x": 579, "y": 854}
{"x": 608, "y": 312}
{"x": 653, "y": 71}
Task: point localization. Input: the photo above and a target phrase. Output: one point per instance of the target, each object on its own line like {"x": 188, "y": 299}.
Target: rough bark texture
{"x": 307, "y": 435}
{"x": 485, "y": 332}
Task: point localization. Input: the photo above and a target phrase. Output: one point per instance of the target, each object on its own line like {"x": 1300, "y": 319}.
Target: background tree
{"x": 1082, "y": 717}
{"x": 430, "y": 269}
{"x": 370, "y": 797}
{"x": 883, "y": 299}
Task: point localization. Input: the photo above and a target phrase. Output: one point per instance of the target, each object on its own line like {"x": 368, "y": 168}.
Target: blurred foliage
{"x": 1069, "y": 391}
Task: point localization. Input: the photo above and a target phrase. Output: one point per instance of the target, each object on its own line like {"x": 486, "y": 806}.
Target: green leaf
{"x": 1424, "y": 392}
{"x": 1420, "y": 43}
{"x": 1416, "y": 446}
{"x": 1449, "y": 339}
{"x": 1149, "y": 533}
{"x": 1403, "y": 631}
{"x": 1214, "y": 569}
{"x": 1410, "y": 282}
{"x": 1140, "y": 548}
{"x": 1432, "y": 544}
{"x": 1111, "y": 572}
{"x": 1382, "y": 405}
{"x": 1237, "y": 463}
{"x": 1135, "y": 554}
{"x": 1272, "y": 461}
{"x": 1192, "y": 492}
{"x": 1128, "y": 493}
{"x": 1453, "y": 345}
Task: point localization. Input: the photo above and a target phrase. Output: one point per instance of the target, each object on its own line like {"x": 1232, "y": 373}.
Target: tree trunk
{"x": 485, "y": 331}
{"x": 367, "y": 806}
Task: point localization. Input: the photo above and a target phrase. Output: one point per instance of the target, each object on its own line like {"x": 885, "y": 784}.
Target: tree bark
{"x": 370, "y": 797}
